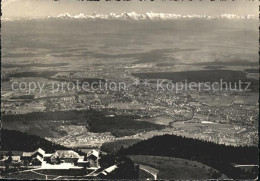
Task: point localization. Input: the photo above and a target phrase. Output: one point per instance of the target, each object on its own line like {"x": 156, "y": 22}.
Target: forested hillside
{"x": 220, "y": 157}
{"x": 12, "y": 140}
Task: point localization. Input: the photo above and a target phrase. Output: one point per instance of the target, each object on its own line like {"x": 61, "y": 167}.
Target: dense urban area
{"x": 102, "y": 101}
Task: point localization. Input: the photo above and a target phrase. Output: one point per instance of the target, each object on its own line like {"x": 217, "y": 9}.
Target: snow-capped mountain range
{"x": 147, "y": 16}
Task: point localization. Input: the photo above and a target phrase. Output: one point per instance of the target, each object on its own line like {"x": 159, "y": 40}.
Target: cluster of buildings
{"x": 233, "y": 112}
{"x": 67, "y": 157}
{"x": 72, "y": 102}
{"x": 61, "y": 160}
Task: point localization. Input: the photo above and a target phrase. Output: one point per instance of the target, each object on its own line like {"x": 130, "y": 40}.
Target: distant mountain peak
{"x": 146, "y": 16}
{"x": 152, "y": 16}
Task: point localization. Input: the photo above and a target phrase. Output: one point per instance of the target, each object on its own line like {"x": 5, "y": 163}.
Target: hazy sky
{"x": 42, "y": 8}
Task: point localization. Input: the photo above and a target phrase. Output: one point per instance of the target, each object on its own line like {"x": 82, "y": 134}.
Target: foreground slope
{"x": 220, "y": 157}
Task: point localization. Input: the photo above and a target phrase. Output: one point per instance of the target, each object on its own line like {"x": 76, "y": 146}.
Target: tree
{"x": 126, "y": 169}
{"x": 26, "y": 162}
{"x": 120, "y": 151}
{"x": 9, "y": 153}
{"x": 9, "y": 160}
{"x": 1, "y": 156}
{"x": 58, "y": 160}
{"x": 107, "y": 160}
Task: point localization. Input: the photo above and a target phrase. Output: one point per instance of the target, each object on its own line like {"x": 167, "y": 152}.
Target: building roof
{"x": 81, "y": 160}
{"x": 109, "y": 169}
{"x": 27, "y": 154}
{"x": 94, "y": 153}
{"x": 47, "y": 155}
{"x": 39, "y": 150}
{"x": 66, "y": 154}
{"x": 16, "y": 158}
{"x": 39, "y": 158}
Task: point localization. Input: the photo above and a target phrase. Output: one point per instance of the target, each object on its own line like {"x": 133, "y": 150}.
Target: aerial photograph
{"x": 140, "y": 90}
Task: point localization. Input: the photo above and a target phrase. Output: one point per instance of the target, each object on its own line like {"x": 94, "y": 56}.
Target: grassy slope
{"x": 144, "y": 175}
{"x": 220, "y": 157}
{"x": 175, "y": 168}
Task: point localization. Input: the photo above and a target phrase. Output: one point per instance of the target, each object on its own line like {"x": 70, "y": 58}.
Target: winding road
{"x": 149, "y": 170}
